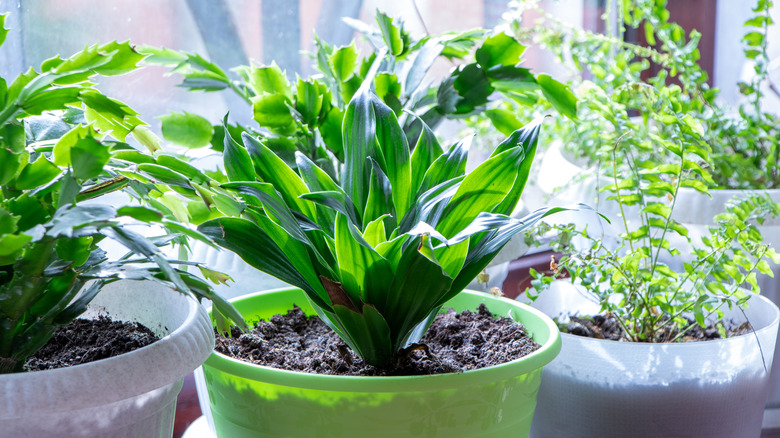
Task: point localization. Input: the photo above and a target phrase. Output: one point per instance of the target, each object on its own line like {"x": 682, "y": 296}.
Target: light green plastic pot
{"x": 256, "y": 401}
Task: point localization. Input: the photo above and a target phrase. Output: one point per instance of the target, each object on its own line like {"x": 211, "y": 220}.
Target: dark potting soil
{"x": 607, "y": 327}
{"x": 87, "y": 340}
{"x": 455, "y": 342}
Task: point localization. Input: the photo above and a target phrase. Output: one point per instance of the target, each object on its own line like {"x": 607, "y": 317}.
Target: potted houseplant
{"x": 56, "y": 160}
{"x": 649, "y": 351}
{"x": 740, "y": 143}
{"x": 305, "y": 115}
{"x": 376, "y": 257}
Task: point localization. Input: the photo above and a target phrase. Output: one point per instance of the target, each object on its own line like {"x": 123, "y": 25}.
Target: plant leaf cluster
{"x": 632, "y": 282}
{"x": 62, "y": 147}
{"x": 741, "y": 142}
{"x": 305, "y": 115}
{"x": 404, "y": 230}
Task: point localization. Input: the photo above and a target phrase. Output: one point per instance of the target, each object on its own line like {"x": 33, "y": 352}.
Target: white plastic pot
{"x": 598, "y": 388}
{"x": 696, "y": 211}
{"x": 693, "y": 209}
{"x": 132, "y": 395}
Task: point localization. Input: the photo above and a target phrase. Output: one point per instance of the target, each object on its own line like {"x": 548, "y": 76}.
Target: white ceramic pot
{"x": 599, "y": 388}
{"x": 131, "y": 395}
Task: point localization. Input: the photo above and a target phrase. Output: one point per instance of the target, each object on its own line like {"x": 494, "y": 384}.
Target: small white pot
{"x": 131, "y": 395}
{"x": 599, "y": 388}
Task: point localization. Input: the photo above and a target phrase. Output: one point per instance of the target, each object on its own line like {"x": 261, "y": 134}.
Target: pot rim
{"x": 116, "y": 378}
{"x": 759, "y": 300}
{"x": 539, "y": 324}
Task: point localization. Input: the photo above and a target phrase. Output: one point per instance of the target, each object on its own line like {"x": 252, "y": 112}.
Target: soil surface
{"x": 87, "y": 340}
{"x": 607, "y": 327}
{"x": 455, "y": 342}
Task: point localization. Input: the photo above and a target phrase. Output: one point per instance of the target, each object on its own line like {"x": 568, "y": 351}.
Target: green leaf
{"x": 482, "y": 252}
{"x": 3, "y": 30}
{"x": 238, "y": 164}
{"x": 754, "y": 39}
{"x": 165, "y": 175}
{"x": 389, "y": 90}
{"x": 123, "y": 58}
{"x": 68, "y": 218}
{"x": 265, "y": 195}
{"x": 272, "y": 111}
{"x": 309, "y": 101}
{"x": 330, "y": 129}
{"x": 272, "y": 169}
{"x": 109, "y": 115}
{"x": 452, "y": 257}
{"x": 649, "y": 33}
{"x": 186, "y": 129}
{"x": 374, "y": 232}
{"x": 140, "y": 213}
{"x": 481, "y": 191}
{"x": 559, "y": 95}
{"x": 527, "y": 138}
{"x": 505, "y": 121}
{"x": 76, "y": 250}
{"x": 364, "y": 274}
{"x": 189, "y": 171}
{"x": 336, "y": 200}
{"x": 380, "y": 197}
{"x": 132, "y": 156}
{"x": 425, "y": 153}
{"x": 695, "y": 184}
{"x": 344, "y": 62}
{"x": 459, "y": 45}
{"x": 658, "y": 209}
{"x": 50, "y": 100}
{"x": 466, "y": 89}
{"x": 271, "y": 80}
{"x": 256, "y": 247}
{"x": 79, "y": 150}
{"x": 368, "y": 332}
{"x": 763, "y": 267}
{"x": 391, "y": 34}
{"x": 37, "y": 174}
{"x": 147, "y": 138}
{"x": 359, "y": 133}
{"x": 499, "y": 49}
{"x": 447, "y": 166}
{"x": 161, "y": 55}
{"x": 395, "y": 151}
{"x": 421, "y": 63}
{"x": 7, "y": 222}
{"x": 409, "y": 300}
{"x": 10, "y": 243}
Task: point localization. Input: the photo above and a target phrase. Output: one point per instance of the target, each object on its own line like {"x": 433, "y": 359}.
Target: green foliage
{"x": 305, "y": 116}
{"x": 650, "y": 300}
{"x": 186, "y": 129}
{"x": 61, "y": 144}
{"x": 741, "y": 144}
{"x": 381, "y": 251}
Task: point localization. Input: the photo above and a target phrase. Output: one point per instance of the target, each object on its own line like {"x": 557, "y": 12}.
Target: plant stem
{"x": 674, "y": 202}
{"x": 8, "y": 113}
{"x": 617, "y": 191}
